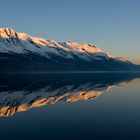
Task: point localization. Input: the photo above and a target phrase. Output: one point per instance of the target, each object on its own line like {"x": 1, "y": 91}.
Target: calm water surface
{"x": 70, "y": 106}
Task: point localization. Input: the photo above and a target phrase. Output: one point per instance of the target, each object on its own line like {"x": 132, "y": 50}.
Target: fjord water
{"x": 69, "y": 106}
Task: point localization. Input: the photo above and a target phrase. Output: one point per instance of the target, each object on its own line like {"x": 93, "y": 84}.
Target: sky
{"x": 112, "y": 25}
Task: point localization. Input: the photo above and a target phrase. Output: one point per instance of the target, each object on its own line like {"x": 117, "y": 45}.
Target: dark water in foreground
{"x": 70, "y": 106}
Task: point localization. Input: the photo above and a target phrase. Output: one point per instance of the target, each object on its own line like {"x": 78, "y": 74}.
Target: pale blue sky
{"x": 113, "y": 25}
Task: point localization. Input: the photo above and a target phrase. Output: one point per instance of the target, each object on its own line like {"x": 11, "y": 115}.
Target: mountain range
{"x": 20, "y": 52}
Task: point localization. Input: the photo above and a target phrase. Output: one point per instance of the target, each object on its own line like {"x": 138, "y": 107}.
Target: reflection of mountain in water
{"x": 24, "y": 91}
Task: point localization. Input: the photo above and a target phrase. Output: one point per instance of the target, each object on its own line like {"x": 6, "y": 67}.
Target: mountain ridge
{"x": 48, "y": 55}
{"x": 9, "y": 33}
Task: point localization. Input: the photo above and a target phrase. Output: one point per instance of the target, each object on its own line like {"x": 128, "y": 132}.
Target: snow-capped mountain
{"x": 38, "y": 54}
{"x": 13, "y": 42}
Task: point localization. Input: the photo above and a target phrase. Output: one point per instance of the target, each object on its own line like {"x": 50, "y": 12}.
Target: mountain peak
{"x": 11, "y": 33}
{"x": 7, "y": 29}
